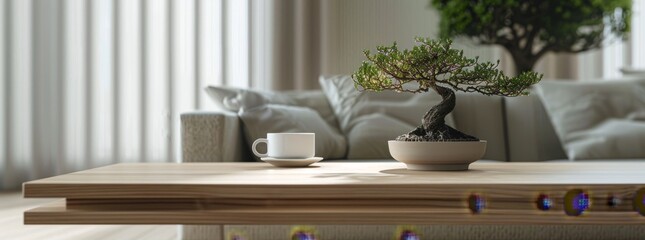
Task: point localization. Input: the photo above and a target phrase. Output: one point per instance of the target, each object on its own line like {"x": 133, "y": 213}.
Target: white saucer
{"x": 291, "y": 162}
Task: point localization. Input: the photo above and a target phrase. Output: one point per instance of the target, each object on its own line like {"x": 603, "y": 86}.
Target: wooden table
{"x": 335, "y": 193}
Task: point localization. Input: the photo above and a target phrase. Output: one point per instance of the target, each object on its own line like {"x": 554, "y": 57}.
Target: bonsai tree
{"x": 433, "y": 65}
{"x": 529, "y": 29}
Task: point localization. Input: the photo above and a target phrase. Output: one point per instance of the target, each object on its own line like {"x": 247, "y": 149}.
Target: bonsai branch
{"x": 434, "y": 65}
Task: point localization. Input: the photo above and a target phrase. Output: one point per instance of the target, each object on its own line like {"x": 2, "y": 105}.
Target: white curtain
{"x": 87, "y": 83}
{"x": 286, "y": 43}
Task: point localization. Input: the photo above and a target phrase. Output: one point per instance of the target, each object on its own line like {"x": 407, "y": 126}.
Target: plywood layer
{"x": 58, "y": 214}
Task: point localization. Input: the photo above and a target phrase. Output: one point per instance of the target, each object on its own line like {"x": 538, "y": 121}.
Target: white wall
{"x": 349, "y": 27}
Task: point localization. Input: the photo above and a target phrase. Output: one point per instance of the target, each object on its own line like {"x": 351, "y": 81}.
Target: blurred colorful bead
{"x": 613, "y": 201}
{"x": 408, "y": 235}
{"x": 303, "y": 236}
{"x": 303, "y": 233}
{"x": 544, "y": 203}
{"x": 576, "y": 202}
{"x": 581, "y": 202}
{"x": 476, "y": 203}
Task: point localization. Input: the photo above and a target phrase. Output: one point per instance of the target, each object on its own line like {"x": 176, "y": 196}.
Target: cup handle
{"x": 255, "y": 143}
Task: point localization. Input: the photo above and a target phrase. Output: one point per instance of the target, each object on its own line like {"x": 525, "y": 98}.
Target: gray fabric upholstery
{"x": 370, "y": 119}
{"x": 531, "y": 136}
{"x": 203, "y": 232}
{"x": 270, "y": 118}
{"x": 461, "y": 232}
{"x": 212, "y": 137}
{"x": 481, "y": 116}
{"x": 236, "y": 99}
{"x": 597, "y": 120}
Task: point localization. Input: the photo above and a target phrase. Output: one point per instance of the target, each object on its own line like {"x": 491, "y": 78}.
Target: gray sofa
{"x": 517, "y": 130}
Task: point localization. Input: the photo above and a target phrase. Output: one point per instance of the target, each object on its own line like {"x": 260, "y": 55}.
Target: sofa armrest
{"x": 212, "y": 137}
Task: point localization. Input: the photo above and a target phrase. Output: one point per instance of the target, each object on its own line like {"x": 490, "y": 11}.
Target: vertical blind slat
{"x": 47, "y": 87}
{"x": 249, "y": 43}
{"x": 143, "y": 92}
{"x": 210, "y": 50}
{"x": 183, "y": 64}
{"x": 638, "y": 35}
{"x": 171, "y": 61}
{"x": 156, "y": 69}
{"x": 4, "y": 87}
{"x": 20, "y": 117}
{"x": 129, "y": 80}
{"x": 196, "y": 62}
{"x": 224, "y": 41}
{"x": 36, "y": 92}
{"x": 257, "y": 40}
{"x": 116, "y": 85}
{"x": 237, "y": 43}
{"x": 89, "y": 72}
{"x": 75, "y": 83}
{"x": 62, "y": 90}
{"x": 102, "y": 78}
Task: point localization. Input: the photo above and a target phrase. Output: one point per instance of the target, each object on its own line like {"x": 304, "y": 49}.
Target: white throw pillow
{"x": 370, "y": 119}
{"x": 236, "y": 99}
{"x": 271, "y": 118}
{"x": 597, "y": 120}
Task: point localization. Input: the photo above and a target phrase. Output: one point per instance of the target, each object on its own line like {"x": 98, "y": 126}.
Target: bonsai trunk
{"x": 523, "y": 65}
{"x": 433, "y": 125}
{"x": 524, "y": 62}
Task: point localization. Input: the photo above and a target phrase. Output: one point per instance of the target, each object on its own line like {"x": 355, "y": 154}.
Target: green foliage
{"x": 433, "y": 63}
{"x": 528, "y": 29}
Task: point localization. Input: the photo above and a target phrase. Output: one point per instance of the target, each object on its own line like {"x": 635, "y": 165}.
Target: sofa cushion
{"x": 531, "y": 136}
{"x": 235, "y": 99}
{"x": 597, "y": 120}
{"x": 370, "y": 119}
{"x": 269, "y": 118}
{"x": 481, "y": 116}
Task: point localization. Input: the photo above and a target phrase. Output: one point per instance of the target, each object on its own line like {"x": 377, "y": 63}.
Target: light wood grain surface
{"x": 12, "y": 206}
{"x": 338, "y": 173}
{"x": 352, "y": 193}
{"x": 333, "y": 180}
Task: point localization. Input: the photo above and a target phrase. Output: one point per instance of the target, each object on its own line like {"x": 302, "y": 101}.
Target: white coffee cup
{"x": 287, "y": 145}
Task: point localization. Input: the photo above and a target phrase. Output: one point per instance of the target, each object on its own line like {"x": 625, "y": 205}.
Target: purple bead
{"x": 476, "y": 203}
{"x": 544, "y": 203}
{"x": 581, "y": 202}
{"x": 576, "y": 202}
{"x": 303, "y": 236}
{"x": 408, "y": 235}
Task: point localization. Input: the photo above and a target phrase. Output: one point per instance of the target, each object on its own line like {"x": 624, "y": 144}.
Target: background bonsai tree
{"x": 529, "y": 29}
{"x": 433, "y": 65}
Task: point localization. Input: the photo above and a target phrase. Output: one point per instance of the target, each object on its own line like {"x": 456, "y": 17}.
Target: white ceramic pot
{"x": 437, "y": 156}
